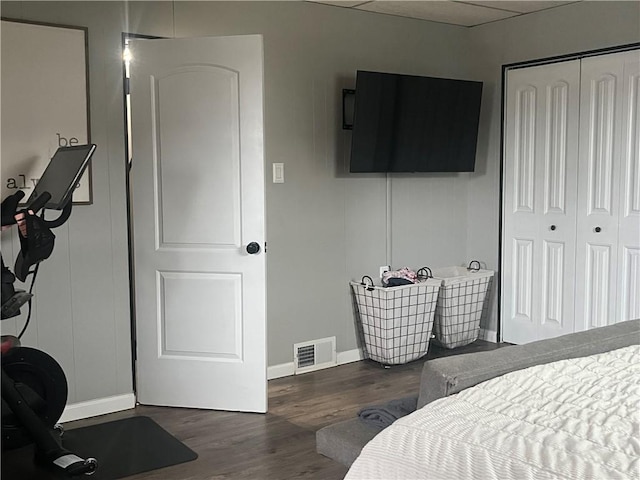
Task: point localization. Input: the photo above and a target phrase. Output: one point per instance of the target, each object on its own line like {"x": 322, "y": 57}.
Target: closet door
{"x": 628, "y": 298}
{"x": 539, "y": 209}
{"x": 608, "y": 255}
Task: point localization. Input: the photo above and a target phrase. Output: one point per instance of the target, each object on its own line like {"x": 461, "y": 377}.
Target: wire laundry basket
{"x": 461, "y": 303}
{"x": 396, "y": 321}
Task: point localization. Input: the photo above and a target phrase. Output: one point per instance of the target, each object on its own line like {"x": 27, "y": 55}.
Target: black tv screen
{"x": 406, "y": 123}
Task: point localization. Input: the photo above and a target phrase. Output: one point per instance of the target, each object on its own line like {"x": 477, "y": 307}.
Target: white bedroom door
{"x": 198, "y": 215}
{"x": 539, "y": 210}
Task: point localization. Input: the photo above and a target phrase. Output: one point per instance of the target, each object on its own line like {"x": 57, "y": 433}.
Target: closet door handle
{"x": 552, "y": 227}
{"x": 597, "y": 229}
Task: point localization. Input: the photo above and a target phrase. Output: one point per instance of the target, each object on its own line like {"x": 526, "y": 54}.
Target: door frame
{"x": 503, "y": 104}
{"x": 127, "y": 165}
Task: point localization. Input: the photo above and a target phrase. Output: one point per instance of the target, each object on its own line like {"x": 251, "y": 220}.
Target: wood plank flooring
{"x": 278, "y": 445}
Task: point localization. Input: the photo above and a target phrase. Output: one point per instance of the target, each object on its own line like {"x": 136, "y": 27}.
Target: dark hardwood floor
{"x": 278, "y": 445}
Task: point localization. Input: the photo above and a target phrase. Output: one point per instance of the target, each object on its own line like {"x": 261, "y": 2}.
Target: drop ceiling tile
{"x": 438, "y": 11}
{"x": 518, "y": 6}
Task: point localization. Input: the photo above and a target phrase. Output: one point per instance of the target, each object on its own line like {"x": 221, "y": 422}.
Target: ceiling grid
{"x": 454, "y": 12}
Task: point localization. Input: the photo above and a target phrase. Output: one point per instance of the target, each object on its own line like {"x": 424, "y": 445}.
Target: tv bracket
{"x": 348, "y": 103}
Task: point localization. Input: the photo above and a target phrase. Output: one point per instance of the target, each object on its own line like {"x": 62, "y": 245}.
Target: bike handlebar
{"x": 40, "y": 202}
{"x": 10, "y": 209}
{"x": 64, "y": 216}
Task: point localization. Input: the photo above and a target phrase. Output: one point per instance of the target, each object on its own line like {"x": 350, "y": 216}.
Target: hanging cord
{"x": 388, "y": 221}
{"x": 34, "y": 273}
{"x": 33, "y": 281}
{"x": 173, "y": 14}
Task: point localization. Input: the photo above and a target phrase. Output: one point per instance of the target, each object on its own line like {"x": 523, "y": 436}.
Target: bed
{"x": 574, "y": 418}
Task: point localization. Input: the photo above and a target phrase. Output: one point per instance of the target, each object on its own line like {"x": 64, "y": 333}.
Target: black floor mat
{"x": 122, "y": 447}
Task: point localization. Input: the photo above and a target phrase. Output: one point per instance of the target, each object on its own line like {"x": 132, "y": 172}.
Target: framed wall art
{"x": 45, "y": 101}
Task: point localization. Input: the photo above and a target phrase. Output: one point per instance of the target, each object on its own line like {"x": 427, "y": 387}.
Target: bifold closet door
{"x": 628, "y": 297}
{"x": 539, "y": 209}
{"x": 608, "y": 227}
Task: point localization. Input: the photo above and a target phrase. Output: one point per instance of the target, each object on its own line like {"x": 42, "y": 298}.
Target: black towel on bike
{"x": 385, "y": 415}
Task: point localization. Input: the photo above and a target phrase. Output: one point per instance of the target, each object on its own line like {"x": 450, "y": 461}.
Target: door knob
{"x": 552, "y": 227}
{"x": 597, "y": 229}
{"x": 253, "y": 248}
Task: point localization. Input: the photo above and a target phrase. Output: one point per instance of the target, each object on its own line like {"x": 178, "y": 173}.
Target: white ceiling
{"x": 464, "y": 13}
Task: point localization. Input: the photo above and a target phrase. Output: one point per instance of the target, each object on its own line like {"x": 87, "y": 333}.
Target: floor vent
{"x": 314, "y": 355}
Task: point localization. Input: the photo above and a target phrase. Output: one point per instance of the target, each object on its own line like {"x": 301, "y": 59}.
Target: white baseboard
{"x": 281, "y": 370}
{"x": 349, "y": 356}
{"x": 287, "y": 369}
{"x": 99, "y": 406}
{"x": 489, "y": 335}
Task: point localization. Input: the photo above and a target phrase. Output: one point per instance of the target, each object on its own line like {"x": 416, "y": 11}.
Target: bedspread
{"x": 573, "y": 419}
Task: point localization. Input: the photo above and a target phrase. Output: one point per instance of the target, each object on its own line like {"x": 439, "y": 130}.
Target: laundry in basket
{"x": 396, "y": 321}
{"x": 462, "y": 296}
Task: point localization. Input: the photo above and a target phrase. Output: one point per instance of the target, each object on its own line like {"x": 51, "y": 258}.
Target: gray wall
{"x": 324, "y": 226}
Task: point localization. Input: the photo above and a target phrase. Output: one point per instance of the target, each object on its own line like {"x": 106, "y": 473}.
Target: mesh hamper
{"x": 460, "y": 305}
{"x": 396, "y": 321}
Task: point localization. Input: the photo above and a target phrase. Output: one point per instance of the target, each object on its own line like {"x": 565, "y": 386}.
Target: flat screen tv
{"x": 406, "y": 123}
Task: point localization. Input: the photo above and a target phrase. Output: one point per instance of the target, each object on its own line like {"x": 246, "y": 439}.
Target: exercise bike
{"x": 34, "y": 386}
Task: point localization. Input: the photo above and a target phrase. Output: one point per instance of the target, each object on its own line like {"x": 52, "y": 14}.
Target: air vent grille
{"x": 314, "y": 355}
{"x": 306, "y": 356}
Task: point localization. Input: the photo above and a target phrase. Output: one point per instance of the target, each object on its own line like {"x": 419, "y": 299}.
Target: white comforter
{"x": 575, "y": 418}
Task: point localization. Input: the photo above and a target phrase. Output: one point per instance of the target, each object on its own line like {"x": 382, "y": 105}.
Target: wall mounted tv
{"x": 406, "y": 123}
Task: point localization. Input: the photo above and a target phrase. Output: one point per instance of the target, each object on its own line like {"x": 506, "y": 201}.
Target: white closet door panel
{"x": 559, "y": 210}
{"x": 599, "y": 149}
{"x": 628, "y": 298}
{"x": 521, "y": 227}
{"x": 598, "y": 300}
{"x": 603, "y": 142}
{"x": 556, "y": 148}
{"x": 540, "y": 172}
{"x": 522, "y": 324}
{"x": 524, "y": 150}
{"x": 553, "y": 283}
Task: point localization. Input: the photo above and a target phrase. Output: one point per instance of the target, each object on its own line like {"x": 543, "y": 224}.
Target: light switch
{"x": 278, "y": 173}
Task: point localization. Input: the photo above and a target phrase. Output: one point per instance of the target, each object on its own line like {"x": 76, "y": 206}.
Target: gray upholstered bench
{"x": 446, "y": 376}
